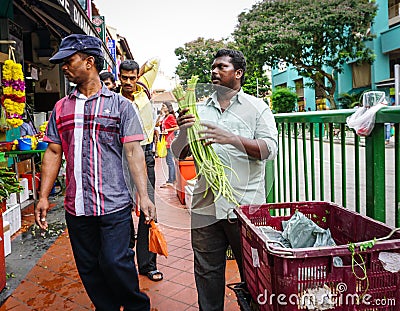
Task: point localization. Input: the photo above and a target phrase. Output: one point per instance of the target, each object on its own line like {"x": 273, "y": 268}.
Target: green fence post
{"x": 270, "y": 181}
{"x": 375, "y": 173}
{"x": 320, "y": 131}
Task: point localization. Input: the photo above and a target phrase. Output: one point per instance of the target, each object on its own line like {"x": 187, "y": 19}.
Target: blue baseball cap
{"x": 77, "y": 43}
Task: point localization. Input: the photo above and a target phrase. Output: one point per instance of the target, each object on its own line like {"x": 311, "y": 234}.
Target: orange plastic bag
{"x": 157, "y": 243}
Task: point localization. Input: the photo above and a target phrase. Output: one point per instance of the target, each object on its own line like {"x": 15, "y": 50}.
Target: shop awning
{"x": 64, "y": 17}
{"x": 163, "y": 97}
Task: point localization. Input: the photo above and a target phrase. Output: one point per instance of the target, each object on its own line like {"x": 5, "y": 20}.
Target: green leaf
{"x": 316, "y": 37}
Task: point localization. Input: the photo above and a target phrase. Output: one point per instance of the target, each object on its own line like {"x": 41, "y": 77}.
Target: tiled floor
{"x": 54, "y": 284}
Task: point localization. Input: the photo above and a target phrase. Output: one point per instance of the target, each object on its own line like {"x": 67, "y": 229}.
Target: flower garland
{"x": 13, "y": 99}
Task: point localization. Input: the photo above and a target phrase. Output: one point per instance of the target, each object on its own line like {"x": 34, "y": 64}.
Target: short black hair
{"x": 98, "y": 60}
{"x": 129, "y": 65}
{"x": 237, "y": 59}
{"x": 107, "y": 75}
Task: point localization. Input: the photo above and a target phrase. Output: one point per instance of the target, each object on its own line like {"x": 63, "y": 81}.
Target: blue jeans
{"x": 105, "y": 262}
{"x": 171, "y": 166}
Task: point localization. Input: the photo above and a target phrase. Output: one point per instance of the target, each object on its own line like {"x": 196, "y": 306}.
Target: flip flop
{"x": 167, "y": 184}
{"x": 151, "y": 275}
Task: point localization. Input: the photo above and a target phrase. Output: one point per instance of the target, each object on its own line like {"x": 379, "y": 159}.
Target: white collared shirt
{"x": 249, "y": 117}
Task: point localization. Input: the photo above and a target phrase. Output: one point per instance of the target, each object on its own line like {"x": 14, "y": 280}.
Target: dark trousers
{"x": 146, "y": 260}
{"x": 210, "y": 240}
{"x": 105, "y": 262}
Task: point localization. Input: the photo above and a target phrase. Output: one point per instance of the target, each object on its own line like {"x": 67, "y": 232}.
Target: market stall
{"x": 20, "y": 147}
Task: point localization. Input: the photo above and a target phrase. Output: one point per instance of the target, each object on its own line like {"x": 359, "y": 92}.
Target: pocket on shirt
{"x": 242, "y": 130}
{"x": 108, "y": 129}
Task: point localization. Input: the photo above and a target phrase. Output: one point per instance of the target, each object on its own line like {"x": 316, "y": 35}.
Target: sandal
{"x": 155, "y": 275}
{"x": 166, "y": 185}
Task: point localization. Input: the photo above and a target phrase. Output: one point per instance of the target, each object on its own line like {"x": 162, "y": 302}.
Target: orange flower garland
{"x": 13, "y": 99}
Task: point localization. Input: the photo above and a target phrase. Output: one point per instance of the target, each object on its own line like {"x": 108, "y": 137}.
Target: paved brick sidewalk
{"x": 54, "y": 284}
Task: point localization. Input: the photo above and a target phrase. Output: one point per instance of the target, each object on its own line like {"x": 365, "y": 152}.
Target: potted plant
{"x": 8, "y": 184}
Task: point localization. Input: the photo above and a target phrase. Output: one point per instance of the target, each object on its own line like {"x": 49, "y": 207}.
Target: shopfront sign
{"x": 77, "y": 16}
{"x": 111, "y": 45}
{"x": 100, "y": 25}
{"x": 72, "y": 8}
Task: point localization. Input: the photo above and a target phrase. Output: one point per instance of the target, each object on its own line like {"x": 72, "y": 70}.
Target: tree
{"x": 256, "y": 83}
{"x": 316, "y": 37}
{"x": 347, "y": 100}
{"x": 283, "y": 100}
{"x": 195, "y": 58}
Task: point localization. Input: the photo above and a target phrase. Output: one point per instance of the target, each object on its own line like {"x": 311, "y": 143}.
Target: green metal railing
{"x": 321, "y": 159}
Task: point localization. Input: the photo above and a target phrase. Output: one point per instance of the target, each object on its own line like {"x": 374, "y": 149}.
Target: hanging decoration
{"x": 13, "y": 99}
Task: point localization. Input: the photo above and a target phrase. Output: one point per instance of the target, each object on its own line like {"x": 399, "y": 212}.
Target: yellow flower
{"x": 17, "y": 72}
{"x": 19, "y": 93}
{"x": 7, "y": 90}
{"x": 13, "y": 72}
{"x": 42, "y": 128}
{"x": 15, "y": 122}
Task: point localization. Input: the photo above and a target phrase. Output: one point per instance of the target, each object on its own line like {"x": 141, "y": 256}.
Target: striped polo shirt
{"x": 92, "y": 132}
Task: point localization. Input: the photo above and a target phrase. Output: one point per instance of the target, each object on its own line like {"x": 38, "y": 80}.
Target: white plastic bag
{"x": 363, "y": 120}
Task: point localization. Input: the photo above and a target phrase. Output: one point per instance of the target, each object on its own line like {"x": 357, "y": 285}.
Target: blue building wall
{"x": 386, "y": 40}
{"x": 289, "y": 76}
{"x": 380, "y": 68}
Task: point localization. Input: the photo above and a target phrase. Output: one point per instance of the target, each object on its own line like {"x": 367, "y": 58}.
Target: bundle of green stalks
{"x": 8, "y": 183}
{"x": 208, "y": 163}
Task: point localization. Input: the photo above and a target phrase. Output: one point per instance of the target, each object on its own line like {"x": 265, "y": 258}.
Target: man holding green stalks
{"x": 241, "y": 130}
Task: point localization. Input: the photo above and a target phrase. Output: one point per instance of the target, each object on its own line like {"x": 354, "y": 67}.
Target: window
{"x": 299, "y": 87}
{"x": 361, "y": 75}
{"x": 394, "y": 12}
{"x": 282, "y": 66}
{"x": 394, "y": 58}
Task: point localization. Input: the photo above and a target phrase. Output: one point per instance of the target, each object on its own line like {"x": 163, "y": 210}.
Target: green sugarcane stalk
{"x": 8, "y": 183}
{"x": 208, "y": 162}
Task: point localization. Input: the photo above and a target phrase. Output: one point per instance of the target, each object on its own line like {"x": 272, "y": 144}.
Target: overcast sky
{"x": 155, "y": 28}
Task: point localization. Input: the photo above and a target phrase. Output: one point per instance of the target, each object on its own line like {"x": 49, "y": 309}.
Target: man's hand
{"x": 41, "y": 212}
{"x": 213, "y": 134}
{"x": 185, "y": 120}
{"x": 148, "y": 209}
{"x": 180, "y": 146}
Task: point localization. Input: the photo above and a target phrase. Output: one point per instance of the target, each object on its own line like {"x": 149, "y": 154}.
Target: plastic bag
{"x": 162, "y": 147}
{"x": 157, "y": 243}
{"x": 363, "y": 120}
{"x": 301, "y": 232}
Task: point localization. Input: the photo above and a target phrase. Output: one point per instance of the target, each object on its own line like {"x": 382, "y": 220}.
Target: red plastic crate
{"x": 6, "y": 146}
{"x": 291, "y": 272}
{"x": 29, "y": 177}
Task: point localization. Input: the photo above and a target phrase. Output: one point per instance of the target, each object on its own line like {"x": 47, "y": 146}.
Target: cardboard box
{"x": 12, "y": 200}
{"x": 13, "y": 216}
{"x": 24, "y": 195}
{"x": 7, "y": 237}
{"x": 24, "y": 166}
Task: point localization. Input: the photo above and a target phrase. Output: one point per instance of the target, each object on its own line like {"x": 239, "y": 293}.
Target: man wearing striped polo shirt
{"x": 95, "y": 129}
